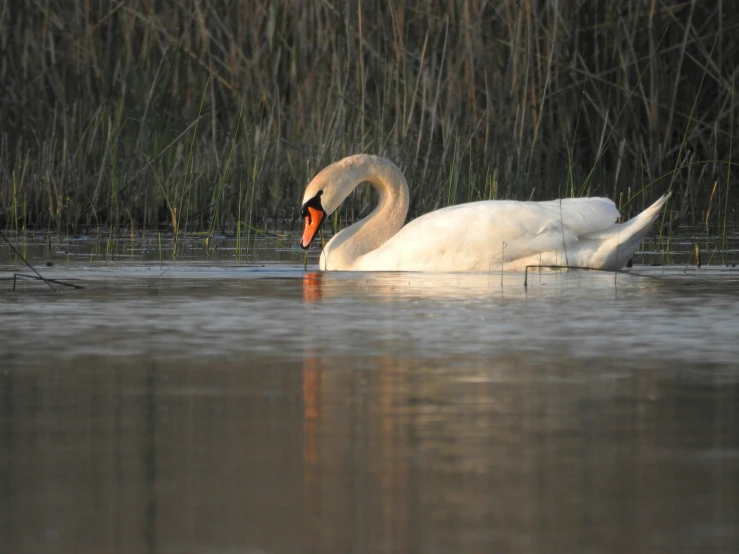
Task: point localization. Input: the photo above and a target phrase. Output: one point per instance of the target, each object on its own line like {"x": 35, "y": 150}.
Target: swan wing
{"x": 482, "y": 235}
{"x": 583, "y": 215}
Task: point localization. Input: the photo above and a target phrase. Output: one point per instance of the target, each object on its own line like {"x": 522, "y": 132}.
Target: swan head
{"x": 334, "y": 183}
{"x": 326, "y": 191}
{"x": 313, "y": 213}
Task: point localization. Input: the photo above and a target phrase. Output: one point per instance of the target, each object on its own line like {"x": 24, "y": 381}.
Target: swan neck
{"x": 368, "y": 234}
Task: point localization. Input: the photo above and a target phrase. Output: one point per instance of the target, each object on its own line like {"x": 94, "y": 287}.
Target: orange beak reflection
{"x": 313, "y": 219}
{"x": 312, "y": 287}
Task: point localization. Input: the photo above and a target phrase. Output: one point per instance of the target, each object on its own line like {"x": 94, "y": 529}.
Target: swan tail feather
{"x": 636, "y": 226}
{"x": 623, "y": 239}
{"x": 642, "y": 223}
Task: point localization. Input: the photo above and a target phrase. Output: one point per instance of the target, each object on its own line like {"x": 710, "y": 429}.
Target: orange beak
{"x": 313, "y": 220}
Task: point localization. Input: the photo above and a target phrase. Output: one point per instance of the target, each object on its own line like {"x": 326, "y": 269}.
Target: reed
{"x": 197, "y": 115}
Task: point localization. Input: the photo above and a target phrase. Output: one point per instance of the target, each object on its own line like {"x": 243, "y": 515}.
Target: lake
{"x": 224, "y": 406}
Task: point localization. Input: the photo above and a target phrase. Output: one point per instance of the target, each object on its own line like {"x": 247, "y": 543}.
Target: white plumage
{"x": 478, "y": 236}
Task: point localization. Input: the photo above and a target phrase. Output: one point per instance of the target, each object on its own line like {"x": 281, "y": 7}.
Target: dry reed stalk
{"x": 103, "y": 102}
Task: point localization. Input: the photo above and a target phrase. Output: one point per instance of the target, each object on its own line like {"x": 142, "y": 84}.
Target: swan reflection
{"x": 319, "y": 286}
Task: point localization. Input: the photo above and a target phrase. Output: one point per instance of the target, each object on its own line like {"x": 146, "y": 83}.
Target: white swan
{"x": 480, "y": 236}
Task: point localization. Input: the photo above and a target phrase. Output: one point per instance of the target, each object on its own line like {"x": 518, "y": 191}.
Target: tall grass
{"x": 206, "y": 115}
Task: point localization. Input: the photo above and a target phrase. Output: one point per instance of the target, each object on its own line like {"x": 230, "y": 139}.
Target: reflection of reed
{"x": 356, "y": 486}
{"x": 507, "y": 456}
{"x": 374, "y": 454}
{"x": 311, "y": 414}
{"x": 149, "y": 454}
{"x": 311, "y": 461}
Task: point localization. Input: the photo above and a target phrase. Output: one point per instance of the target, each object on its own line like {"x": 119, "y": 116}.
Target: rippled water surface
{"x": 212, "y": 406}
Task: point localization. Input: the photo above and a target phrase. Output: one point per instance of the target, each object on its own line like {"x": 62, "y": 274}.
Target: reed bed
{"x": 200, "y": 115}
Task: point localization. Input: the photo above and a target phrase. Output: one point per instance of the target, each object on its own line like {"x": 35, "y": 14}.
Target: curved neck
{"x": 344, "y": 249}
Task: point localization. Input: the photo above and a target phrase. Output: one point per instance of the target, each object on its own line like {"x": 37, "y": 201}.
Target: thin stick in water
{"x": 14, "y": 249}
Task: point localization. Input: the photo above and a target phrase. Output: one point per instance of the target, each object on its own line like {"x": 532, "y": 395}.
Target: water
{"x": 215, "y": 406}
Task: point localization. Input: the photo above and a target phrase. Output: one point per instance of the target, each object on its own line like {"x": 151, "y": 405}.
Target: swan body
{"x": 490, "y": 235}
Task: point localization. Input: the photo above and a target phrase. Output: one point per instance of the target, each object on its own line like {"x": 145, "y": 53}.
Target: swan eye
{"x": 314, "y": 202}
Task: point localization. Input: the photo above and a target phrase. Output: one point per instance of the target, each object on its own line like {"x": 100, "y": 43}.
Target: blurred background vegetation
{"x": 205, "y": 114}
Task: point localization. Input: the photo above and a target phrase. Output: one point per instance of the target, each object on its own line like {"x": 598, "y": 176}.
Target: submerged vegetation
{"x": 212, "y": 116}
